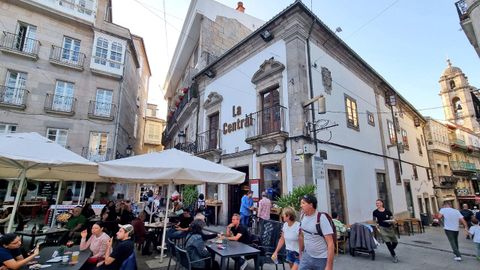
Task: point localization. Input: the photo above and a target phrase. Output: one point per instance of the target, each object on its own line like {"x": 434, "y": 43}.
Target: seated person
{"x": 205, "y": 236}
{"x": 142, "y": 235}
{"x": 181, "y": 228}
{"x": 238, "y": 232}
{"x": 87, "y": 211}
{"x": 75, "y": 225}
{"x": 97, "y": 242}
{"x": 5, "y": 218}
{"x": 340, "y": 227}
{"x": 122, "y": 250}
{"x": 10, "y": 254}
{"x": 195, "y": 246}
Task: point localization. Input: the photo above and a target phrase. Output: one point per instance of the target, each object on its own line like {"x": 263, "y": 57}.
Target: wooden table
{"x": 46, "y": 254}
{"x": 40, "y": 233}
{"x": 233, "y": 249}
{"x": 216, "y": 205}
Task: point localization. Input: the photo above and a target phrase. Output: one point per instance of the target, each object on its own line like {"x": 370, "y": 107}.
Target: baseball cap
{"x": 127, "y": 227}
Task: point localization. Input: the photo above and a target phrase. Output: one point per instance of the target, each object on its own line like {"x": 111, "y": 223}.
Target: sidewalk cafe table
{"x": 233, "y": 249}
{"x": 40, "y": 233}
{"x": 46, "y": 254}
{"x": 157, "y": 228}
{"x": 216, "y": 206}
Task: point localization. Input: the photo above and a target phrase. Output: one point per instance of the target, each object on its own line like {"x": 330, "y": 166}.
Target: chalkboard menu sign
{"x": 46, "y": 189}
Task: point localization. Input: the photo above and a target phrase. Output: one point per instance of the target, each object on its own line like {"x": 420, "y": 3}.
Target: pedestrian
{"x": 238, "y": 232}
{"x": 246, "y": 208}
{"x": 451, "y": 219}
{"x": 264, "y": 207}
{"x": 316, "y": 251}
{"x": 475, "y": 232}
{"x": 289, "y": 238}
{"x": 467, "y": 215}
{"x": 384, "y": 219}
{"x": 97, "y": 243}
{"x": 122, "y": 250}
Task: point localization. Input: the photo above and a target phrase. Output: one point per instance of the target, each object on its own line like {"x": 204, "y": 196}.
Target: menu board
{"x": 46, "y": 189}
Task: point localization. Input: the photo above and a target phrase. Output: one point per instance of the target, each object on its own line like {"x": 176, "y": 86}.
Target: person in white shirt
{"x": 451, "y": 219}
{"x": 475, "y": 232}
{"x": 289, "y": 238}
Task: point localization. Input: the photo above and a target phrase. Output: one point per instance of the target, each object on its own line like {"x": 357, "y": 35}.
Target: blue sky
{"x": 407, "y": 42}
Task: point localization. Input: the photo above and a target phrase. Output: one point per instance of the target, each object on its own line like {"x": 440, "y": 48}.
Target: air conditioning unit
{"x": 308, "y": 149}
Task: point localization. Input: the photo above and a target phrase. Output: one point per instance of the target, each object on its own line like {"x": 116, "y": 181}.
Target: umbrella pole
{"x": 17, "y": 200}
{"x": 165, "y": 222}
{"x": 56, "y": 203}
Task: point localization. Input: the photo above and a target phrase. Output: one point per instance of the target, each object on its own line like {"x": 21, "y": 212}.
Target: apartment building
{"x": 469, "y": 15}
{"x": 154, "y": 126}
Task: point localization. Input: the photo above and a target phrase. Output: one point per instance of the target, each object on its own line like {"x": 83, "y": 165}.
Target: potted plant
{"x": 293, "y": 198}
{"x": 190, "y": 195}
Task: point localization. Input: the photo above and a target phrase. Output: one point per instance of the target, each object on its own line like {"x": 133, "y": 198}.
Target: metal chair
{"x": 269, "y": 234}
{"x": 183, "y": 259}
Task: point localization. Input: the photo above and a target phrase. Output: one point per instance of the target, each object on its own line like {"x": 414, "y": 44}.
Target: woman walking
{"x": 289, "y": 238}
{"x": 384, "y": 219}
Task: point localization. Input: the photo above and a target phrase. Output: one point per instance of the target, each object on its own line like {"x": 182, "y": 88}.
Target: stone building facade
{"x": 469, "y": 14}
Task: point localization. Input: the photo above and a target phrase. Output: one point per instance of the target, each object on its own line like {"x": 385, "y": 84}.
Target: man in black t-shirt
{"x": 124, "y": 248}
{"x": 238, "y": 232}
{"x": 181, "y": 229}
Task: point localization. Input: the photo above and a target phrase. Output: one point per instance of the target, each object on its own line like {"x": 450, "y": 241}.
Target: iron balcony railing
{"x": 189, "y": 95}
{"x": 58, "y": 103}
{"x": 98, "y": 154}
{"x": 101, "y": 109}
{"x": 12, "y": 96}
{"x": 69, "y": 57}
{"x": 462, "y": 166}
{"x": 208, "y": 140}
{"x": 189, "y": 147}
{"x": 267, "y": 121}
{"x": 20, "y": 43}
{"x": 462, "y": 8}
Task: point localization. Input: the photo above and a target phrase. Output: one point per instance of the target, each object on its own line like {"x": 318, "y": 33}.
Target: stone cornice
{"x": 213, "y": 99}
{"x": 267, "y": 69}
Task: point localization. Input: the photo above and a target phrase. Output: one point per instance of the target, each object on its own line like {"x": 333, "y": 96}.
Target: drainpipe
{"x": 310, "y": 80}
{"x": 117, "y": 124}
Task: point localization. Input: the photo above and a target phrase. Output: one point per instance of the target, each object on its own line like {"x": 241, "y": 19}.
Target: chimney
{"x": 240, "y": 7}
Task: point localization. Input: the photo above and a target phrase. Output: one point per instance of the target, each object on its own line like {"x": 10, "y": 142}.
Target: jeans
{"x": 310, "y": 263}
{"x": 453, "y": 239}
{"x": 244, "y": 220}
{"x": 174, "y": 234}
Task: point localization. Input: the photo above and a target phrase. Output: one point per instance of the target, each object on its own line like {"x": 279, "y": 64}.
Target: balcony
{"x": 267, "y": 128}
{"x": 79, "y": 9}
{"x": 465, "y": 10}
{"x": 189, "y": 147}
{"x": 97, "y": 155}
{"x": 462, "y": 8}
{"x": 15, "y": 98}
{"x": 20, "y": 45}
{"x": 184, "y": 108}
{"x": 106, "y": 67}
{"x": 67, "y": 58}
{"x": 462, "y": 166}
{"x": 60, "y": 104}
{"x": 208, "y": 145}
{"x": 101, "y": 110}
{"x": 447, "y": 181}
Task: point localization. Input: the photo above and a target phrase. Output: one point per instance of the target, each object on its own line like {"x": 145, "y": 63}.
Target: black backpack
{"x": 319, "y": 227}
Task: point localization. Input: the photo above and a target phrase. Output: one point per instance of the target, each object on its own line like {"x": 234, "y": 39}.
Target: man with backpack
{"x": 317, "y": 245}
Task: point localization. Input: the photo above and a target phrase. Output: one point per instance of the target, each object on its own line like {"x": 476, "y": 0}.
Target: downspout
{"x": 117, "y": 124}
{"x": 310, "y": 80}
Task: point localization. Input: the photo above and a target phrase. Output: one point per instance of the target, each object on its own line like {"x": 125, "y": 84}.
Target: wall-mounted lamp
{"x": 181, "y": 137}
{"x": 128, "y": 150}
{"x": 210, "y": 74}
{"x": 266, "y": 35}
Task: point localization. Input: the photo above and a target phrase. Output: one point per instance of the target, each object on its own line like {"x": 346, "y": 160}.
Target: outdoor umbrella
{"x": 29, "y": 155}
{"x": 171, "y": 166}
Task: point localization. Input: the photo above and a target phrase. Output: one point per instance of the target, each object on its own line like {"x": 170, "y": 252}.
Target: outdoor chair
{"x": 402, "y": 226}
{"x": 172, "y": 252}
{"x": 130, "y": 263}
{"x": 416, "y": 223}
{"x": 183, "y": 259}
{"x": 269, "y": 234}
{"x": 341, "y": 243}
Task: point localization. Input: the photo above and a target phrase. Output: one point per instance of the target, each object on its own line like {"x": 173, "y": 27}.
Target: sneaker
{"x": 457, "y": 259}
{"x": 244, "y": 264}
{"x": 395, "y": 259}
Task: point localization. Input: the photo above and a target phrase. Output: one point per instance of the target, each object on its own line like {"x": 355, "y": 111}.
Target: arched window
{"x": 457, "y": 107}
{"x": 452, "y": 84}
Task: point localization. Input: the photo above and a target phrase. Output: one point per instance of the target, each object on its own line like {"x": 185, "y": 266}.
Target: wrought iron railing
{"x": 189, "y": 95}
{"x": 13, "y": 96}
{"x": 267, "y": 121}
{"x": 20, "y": 43}
{"x": 101, "y": 109}
{"x": 189, "y": 147}
{"x": 58, "y": 103}
{"x": 97, "y": 155}
{"x": 462, "y": 8}
{"x": 66, "y": 56}
{"x": 462, "y": 166}
{"x": 208, "y": 140}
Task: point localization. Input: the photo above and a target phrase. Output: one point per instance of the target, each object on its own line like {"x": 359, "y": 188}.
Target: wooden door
{"x": 270, "y": 112}
{"x": 213, "y": 131}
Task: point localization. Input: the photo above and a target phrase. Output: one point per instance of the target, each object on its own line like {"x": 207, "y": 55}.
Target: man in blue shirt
{"x": 246, "y": 208}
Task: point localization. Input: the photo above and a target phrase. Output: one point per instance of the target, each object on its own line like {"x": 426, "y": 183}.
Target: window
{"x": 58, "y": 135}
{"x": 452, "y": 84}
{"x": 15, "y": 87}
{"x": 370, "y": 118}
{"x": 103, "y": 102}
{"x": 7, "y": 128}
{"x": 429, "y": 173}
{"x": 97, "y": 148}
{"x": 101, "y": 51}
{"x": 63, "y": 97}
{"x": 422, "y": 140}
{"x": 419, "y": 145}
{"x": 415, "y": 173}
{"x": 272, "y": 180}
{"x": 70, "y": 50}
{"x": 391, "y": 132}
{"x": 352, "y": 114}
{"x": 116, "y": 55}
{"x": 439, "y": 170}
{"x": 405, "y": 139}
{"x": 26, "y": 38}
{"x": 396, "y": 166}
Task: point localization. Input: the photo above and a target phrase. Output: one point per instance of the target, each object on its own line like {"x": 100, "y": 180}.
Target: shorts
{"x": 293, "y": 257}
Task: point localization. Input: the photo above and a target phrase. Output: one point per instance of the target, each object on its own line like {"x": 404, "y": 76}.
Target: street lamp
{"x": 128, "y": 150}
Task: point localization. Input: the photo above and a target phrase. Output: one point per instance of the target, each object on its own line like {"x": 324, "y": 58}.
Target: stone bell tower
{"x": 458, "y": 98}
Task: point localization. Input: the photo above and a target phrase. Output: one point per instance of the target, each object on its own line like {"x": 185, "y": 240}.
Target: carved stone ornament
{"x": 327, "y": 80}
{"x": 268, "y": 68}
{"x": 212, "y": 99}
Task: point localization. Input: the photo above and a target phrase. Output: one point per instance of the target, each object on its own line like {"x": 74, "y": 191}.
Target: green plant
{"x": 293, "y": 198}
{"x": 190, "y": 195}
